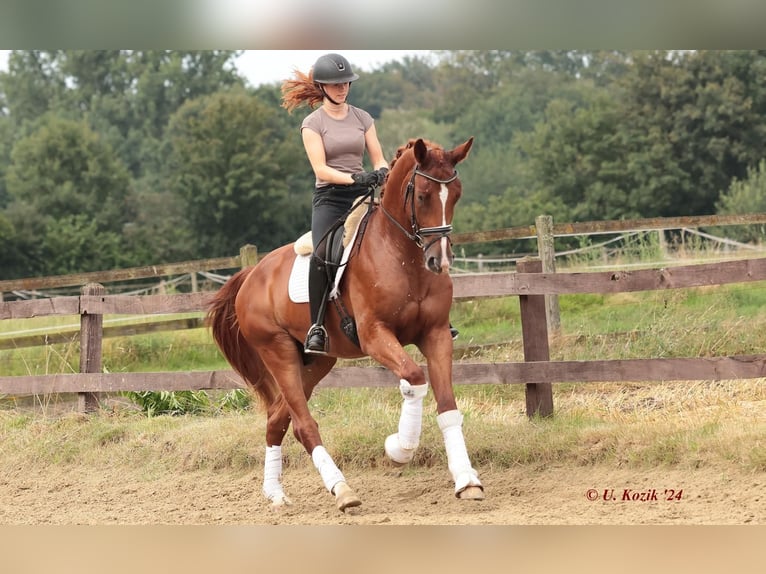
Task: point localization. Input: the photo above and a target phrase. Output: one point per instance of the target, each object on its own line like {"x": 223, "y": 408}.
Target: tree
{"x": 65, "y": 184}
{"x": 575, "y": 158}
{"x": 694, "y": 122}
{"x": 6, "y": 144}
{"x": 64, "y": 168}
{"x": 745, "y": 196}
{"x": 32, "y": 86}
{"x": 11, "y": 259}
{"x": 230, "y": 164}
{"x": 127, "y": 95}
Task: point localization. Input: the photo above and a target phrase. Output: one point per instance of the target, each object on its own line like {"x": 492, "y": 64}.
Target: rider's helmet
{"x": 333, "y": 69}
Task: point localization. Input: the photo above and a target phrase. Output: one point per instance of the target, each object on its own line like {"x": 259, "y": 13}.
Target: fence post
{"x": 547, "y": 252}
{"x": 248, "y": 255}
{"x": 662, "y": 244}
{"x": 91, "y": 336}
{"x": 534, "y": 333}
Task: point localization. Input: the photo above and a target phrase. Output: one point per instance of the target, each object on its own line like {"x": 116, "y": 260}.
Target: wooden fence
{"x": 529, "y": 283}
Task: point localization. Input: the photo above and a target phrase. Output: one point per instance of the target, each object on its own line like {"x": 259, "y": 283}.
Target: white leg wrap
{"x": 451, "y": 425}
{"x": 331, "y": 474}
{"x": 400, "y": 447}
{"x": 272, "y": 474}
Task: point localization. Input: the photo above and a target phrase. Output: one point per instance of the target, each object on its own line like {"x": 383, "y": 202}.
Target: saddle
{"x": 339, "y": 244}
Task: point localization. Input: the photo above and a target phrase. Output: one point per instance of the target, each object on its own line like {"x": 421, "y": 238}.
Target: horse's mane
{"x": 408, "y": 145}
{"x": 403, "y": 148}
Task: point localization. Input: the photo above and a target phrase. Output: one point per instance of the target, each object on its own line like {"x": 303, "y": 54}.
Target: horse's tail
{"x": 222, "y": 319}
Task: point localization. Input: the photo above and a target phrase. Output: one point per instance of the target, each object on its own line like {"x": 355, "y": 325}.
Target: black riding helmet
{"x": 333, "y": 69}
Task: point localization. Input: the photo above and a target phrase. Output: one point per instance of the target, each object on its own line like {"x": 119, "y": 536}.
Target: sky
{"x": 267, "y": 66}
{"x": 273, "y": 66}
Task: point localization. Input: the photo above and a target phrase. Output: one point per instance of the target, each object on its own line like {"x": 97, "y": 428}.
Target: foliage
{"x": 746, "y": 196}
{"x": 226, "y": 163}
{"x": 692, "y": 126}
{"x": 156, "y": 403}
{"x": 68, "y": 197}
{"x": 136, "y": 157}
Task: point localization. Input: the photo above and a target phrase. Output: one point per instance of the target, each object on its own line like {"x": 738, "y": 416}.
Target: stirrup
{"x": 454, "y": 332}
{"x": 316, "y": 341}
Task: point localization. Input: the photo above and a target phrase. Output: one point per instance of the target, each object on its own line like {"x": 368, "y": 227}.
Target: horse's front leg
{"x": 437, "y": 349}
{"x": 400, "y": 446}
{"x": 385, "y": 349}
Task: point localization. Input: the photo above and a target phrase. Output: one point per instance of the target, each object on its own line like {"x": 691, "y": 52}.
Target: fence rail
{"x": 470, "y": 373}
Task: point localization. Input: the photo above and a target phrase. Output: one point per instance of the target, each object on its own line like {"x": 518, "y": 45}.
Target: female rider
{"x": 335, "y": 136}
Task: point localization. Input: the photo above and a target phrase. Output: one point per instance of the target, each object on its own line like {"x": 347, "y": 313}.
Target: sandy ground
{"x": 416, "y": 496}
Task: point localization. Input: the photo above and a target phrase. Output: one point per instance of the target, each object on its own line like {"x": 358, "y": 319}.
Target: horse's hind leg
{"x": 296, "y": 383}
{"x": 276, "y": 428}
{"x": 332, "y": 477}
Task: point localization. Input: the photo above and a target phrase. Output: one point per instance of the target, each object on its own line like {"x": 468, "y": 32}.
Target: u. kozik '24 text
{"x": 650, "y": 495}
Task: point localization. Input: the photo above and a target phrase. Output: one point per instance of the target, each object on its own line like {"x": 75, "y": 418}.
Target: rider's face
{"x": 338, "y": 92}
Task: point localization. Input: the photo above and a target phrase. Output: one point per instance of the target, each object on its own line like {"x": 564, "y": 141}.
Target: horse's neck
{"x": 388, "y": 233}
{"x": 389, "y": 247}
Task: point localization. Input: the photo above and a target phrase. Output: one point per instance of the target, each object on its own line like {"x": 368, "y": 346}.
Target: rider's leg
{"x": 316, "y": 338}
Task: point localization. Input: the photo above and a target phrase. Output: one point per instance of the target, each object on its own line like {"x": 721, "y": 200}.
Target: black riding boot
{"x": 316, "y": 338}
{"x": 454, "y": 332}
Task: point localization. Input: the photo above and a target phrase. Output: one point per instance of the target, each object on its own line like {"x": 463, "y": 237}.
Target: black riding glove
{"x": 366, "y": 178}
{"x": 381, "y": 174}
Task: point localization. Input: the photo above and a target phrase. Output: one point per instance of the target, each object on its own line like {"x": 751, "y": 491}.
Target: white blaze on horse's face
{"x": 446, "y": 261}
{"x": 438, "y": 252}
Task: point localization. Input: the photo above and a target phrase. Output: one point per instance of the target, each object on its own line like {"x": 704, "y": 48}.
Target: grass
{"x": 686, "y": 425}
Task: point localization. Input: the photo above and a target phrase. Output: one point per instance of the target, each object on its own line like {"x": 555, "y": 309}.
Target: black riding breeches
{"x": 329, "y": 204}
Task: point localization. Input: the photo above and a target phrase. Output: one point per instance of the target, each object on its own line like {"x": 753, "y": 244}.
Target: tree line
{"x": 124, "y": 158}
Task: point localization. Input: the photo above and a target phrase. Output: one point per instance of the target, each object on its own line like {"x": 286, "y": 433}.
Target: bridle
{"x": 419, "y": 234}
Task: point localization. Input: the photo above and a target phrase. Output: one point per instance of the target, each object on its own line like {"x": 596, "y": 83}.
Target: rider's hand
{"x": 366, "y": 178}
{"x": 381, "y": 175}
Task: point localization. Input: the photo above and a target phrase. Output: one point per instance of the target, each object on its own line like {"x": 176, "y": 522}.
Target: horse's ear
{"x": 421, "y": 151}
{"x": 461, "y": 152}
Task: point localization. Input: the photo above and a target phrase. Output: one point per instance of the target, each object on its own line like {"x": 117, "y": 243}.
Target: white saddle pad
{"x": 298, "y": 286}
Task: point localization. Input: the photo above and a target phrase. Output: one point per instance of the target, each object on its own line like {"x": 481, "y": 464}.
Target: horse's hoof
{"x": 345, "y": 497}
{"x": 471, "y": 493}
{"x": 278, "y": 502}
{"x": 399, "y": 456}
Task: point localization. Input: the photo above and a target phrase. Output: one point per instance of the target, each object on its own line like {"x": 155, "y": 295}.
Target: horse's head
{"x": 420, "y": 194}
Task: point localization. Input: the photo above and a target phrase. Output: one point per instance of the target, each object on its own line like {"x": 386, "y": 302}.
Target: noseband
{"x": 419, "y": 234}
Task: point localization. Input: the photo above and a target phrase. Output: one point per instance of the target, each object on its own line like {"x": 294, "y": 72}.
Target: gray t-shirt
{"x": 343, "y": 139}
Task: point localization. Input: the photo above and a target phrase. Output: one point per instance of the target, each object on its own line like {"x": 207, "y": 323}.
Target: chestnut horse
{"x": 398, "y": 290}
